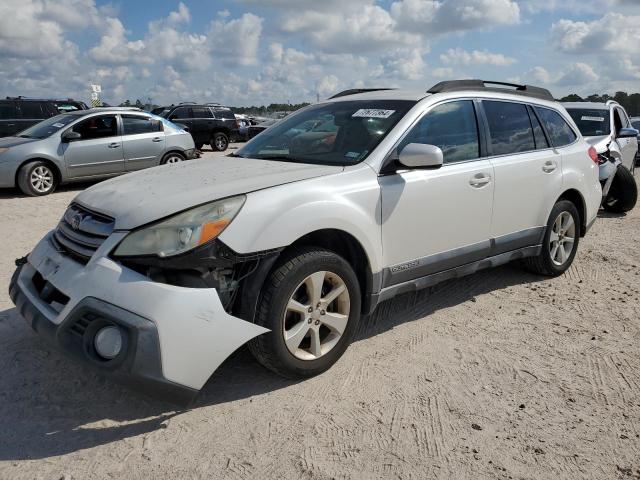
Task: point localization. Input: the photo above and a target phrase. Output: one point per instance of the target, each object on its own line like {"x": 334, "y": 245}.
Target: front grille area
{"x": 81, "y": 232}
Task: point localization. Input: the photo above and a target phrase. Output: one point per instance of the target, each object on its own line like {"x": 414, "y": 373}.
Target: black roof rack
{"x": 486, "y": 85}
{"x": 187, "y": 103}
{"x": 22, "y": 97}
{"x": 354, "y": 91}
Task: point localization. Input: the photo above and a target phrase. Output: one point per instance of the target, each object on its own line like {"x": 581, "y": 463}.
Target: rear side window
{"x": 509, "y": 126}
{"x": 31, "y": 110}
{"x": 559, "y": 131}
{"x": 225, "y": 114}
{"x": 7, "y": 111}
{"x": 538, "y": 133}
{"x": 451, "y": 126}
{"x": 201, "y": 112}
{"x": 134, "y": 125}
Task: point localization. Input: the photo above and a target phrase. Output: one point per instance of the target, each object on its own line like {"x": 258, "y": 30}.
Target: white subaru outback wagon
{"x": 156, "y": 277}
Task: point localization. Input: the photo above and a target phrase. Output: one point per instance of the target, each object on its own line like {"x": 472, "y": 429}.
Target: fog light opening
{"x": 108, "y": 342}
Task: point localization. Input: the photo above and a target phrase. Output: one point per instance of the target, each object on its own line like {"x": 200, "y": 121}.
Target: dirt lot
{"x": 500, "y": 375}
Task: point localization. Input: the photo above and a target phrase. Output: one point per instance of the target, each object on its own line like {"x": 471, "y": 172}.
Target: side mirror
{"x": 419, "y": 155}
{"x": 627, "y": 133}
{"x": 70, "y": 136}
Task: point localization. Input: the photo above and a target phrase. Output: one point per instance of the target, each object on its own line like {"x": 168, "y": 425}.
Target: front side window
{"x": 451, "y": 126}
{"x": 559, "y": 131}
{"x": 97, "y": 127}
{"x": 591, "y": 122}
{"x": 334, "y": 133}
{"x": 509, "y": 126}
{"x": 133, "y": 125}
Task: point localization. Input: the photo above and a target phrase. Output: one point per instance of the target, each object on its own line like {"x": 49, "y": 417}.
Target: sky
{"x": 257, "y": 52}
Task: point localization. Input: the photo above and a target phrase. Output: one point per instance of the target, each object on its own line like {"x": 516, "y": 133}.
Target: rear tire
{"x": 560, "y": 242}
{"x": 623, "y": 193}
{"x": 172, "y": 157}
{"x": 311, "y": 305}
{"x": 219, "y": 142}
{"x": 37, "y": 178}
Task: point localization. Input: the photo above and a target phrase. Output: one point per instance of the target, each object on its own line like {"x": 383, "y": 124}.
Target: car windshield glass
{"x": 48, "y": 127}
{"x": 591, "y": 122}
{"x": 335, "y": 133}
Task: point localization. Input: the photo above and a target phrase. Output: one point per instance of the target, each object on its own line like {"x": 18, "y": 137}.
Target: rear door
{"x": 9, "y": 123}
{"x": 437, "y": 219}
{"x": 98, "y": 151}
{"x": 203, "y": 125}
{"x": 528, "y": 174}
{"x": 142, "y": 140}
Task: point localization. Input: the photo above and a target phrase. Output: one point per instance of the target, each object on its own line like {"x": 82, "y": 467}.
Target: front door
{"x": 434, "y": 220}
{"x": 99, "y": 149}
{"x": 142, "y": 140}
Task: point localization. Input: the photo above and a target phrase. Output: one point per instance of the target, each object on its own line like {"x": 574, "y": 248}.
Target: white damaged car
{"x": 607, "y": 127}
{"x": 156, "y": 277}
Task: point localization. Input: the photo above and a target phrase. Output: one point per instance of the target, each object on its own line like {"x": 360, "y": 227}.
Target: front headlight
{"x": 183, "y": 231}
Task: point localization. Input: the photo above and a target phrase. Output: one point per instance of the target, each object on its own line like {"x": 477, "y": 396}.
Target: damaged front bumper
{"x": 174, "y": 337}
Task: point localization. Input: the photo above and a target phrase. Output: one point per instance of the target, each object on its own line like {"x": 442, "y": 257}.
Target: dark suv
{"x": 19, "y": 113}
{"x": 208, "y": 123}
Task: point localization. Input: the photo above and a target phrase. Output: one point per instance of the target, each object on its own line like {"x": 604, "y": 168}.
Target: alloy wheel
{"x": 221, "y": 143}
{"x": 41, "y": 179}
{"x": 174, "y": 159}
{"x": 316, "y": 315}
{"x": 562, "y": 238}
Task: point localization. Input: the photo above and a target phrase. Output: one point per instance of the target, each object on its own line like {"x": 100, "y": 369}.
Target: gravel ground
{"x": 499, "y": 375}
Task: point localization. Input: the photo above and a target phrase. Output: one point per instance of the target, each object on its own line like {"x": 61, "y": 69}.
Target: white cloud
{"x": 237, "y": 40}
{"x": 428, "y": 16}
{"x": 114, "y": 48}
{"x": 328, "y": 85}
{"x": 577, "y": 74}
{"x": 608, "y": 33}
{"x": 459, "y": 56}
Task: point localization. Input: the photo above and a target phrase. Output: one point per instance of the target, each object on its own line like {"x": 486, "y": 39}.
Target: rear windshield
{"x": 336, "y": 133}
{"x": 591, "y": 122}
{"x": 48, "y": 127}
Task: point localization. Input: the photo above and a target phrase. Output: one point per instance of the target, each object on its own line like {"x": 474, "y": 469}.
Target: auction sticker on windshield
{"x": 373, "y": 113}
{"x": 592, "y": 119}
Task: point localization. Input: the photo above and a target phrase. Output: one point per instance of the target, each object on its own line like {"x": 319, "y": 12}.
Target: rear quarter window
{"x": 559, "y": 131}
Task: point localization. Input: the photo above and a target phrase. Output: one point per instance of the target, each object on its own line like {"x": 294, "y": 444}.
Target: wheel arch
{"x": 173, "y": 150}
{"x": 335, "y": 240}
{"x": 55, "y": 168}
{"x": 575, "y": 197}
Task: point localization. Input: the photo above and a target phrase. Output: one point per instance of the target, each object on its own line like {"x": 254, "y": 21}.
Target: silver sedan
{"x": 89, "y": 144}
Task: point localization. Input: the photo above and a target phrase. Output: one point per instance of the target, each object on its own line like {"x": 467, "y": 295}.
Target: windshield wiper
{"x": 282, "y": 158}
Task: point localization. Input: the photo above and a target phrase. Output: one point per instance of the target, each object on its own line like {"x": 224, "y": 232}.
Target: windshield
{"x": 48, "y": 127}
{"x": 337, "y": 133}
{"x": 591, "y": 122}
{"x": 161, "y": 111}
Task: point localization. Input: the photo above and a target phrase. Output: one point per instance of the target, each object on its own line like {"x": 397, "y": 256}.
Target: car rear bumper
{"x": 174, "y": 337}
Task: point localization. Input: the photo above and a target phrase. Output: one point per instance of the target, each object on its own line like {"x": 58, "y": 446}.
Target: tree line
{"x": 630, "y": 102}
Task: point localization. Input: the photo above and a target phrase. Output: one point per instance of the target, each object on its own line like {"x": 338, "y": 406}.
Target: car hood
{"x": 600, "y": 142}
{"x": 7, "y": 142}
{"x": 148, "y": 195}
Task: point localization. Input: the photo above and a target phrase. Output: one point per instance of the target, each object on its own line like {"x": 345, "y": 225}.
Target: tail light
{"x": 594, "y": 155}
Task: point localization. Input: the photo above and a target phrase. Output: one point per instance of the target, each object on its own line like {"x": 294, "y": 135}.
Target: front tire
{"x": 560, "y": 242}
{"x": 37, "y": 179}
{"x": 311, "y": 305}
{"x": 623, "y": 193}
{"x": 219, "y": 142}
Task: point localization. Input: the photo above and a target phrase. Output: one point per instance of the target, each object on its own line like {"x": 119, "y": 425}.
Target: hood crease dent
{"x": 149, "y": 195}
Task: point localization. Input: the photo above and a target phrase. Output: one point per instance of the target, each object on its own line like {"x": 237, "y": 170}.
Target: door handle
{"x": 156, "y": 139}
{"x": 549, "y": 166}
{"x": 479, "y": 180}
{"x": 114, "y": 145}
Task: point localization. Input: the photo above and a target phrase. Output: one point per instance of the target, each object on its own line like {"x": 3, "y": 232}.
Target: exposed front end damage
{"x": 178, "y": 317}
